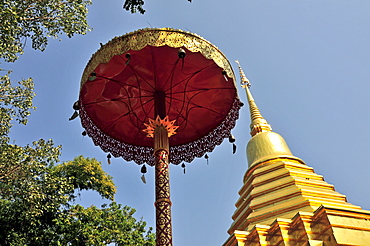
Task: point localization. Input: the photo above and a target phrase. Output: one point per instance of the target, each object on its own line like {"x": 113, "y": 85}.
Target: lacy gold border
{"x": 181, "y": 153}
{"x": 157, "y": 37}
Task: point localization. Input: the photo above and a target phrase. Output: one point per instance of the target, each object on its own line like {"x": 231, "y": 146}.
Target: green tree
{"x": 36, "y": 21}
{"x": 37, "y": 195}
{"x": 135, "y": 6}
{"x": 35, "y": 207}
{"x": 15, "y": 103}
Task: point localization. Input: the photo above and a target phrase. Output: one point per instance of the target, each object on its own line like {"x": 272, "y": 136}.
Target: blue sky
{"x": 309, "y": 65}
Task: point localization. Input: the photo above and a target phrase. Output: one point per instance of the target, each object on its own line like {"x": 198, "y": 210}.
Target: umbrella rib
{"x": 140, "y": 98}
{"x": 118, "y": 118}
{"x": 122, "y": 84}
{"x": 203, "y": 90}
{"x": 189, "y": 109}
{"x": 185, "y": 117}
{"x": 140, "y": 122}
{"x": 186, "y": 83}
{"x": 185, "y": 87}
{"x": 170, "y": 78}
{"x": 172, "y": 73}
{"x": 190, "y": 76}
{"x": 154, "y": 70}
{"x": 115, "y": 99}
{"x": 196, "y": 105}
{"x": 137, "y": 75}
{"x": 130, "y": 112}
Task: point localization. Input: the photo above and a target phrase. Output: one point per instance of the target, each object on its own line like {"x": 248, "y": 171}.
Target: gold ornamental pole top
{"x": 258, "y": 123}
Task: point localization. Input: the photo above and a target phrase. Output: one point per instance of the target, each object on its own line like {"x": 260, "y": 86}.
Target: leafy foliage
{"x": 37, "y": 195}
{"x": 38, "y": 20}
{"x": 15, "y": 102}
{"x": 35, "y": 204}
{"x": 134, "y": 6}
{"x": 87, "y": 174}
{"x": 31, "y": 194}
{"x": 112, "y": 224}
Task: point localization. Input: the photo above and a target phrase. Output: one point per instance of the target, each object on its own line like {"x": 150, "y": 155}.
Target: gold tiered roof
{"x": 284, "y": 202}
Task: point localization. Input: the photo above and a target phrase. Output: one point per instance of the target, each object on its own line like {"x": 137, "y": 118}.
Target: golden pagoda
{"x": 284, "y": 202}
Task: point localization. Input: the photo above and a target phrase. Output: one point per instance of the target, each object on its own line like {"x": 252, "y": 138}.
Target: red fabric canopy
{"x": 119, "y": 97}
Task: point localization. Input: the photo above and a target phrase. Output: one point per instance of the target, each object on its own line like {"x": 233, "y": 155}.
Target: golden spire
{"x": 265, "y": 144}
{"x": 258, "y": 123}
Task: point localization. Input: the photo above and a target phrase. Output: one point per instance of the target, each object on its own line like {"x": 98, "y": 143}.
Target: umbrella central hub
{"x": 158, "y": 122}
{"x": 160, "y": 104}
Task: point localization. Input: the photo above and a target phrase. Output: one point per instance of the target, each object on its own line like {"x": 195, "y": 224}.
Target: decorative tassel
{"x": 143, "y": 171}
{"x": 143, "y": 179}
{"x": 74, "y": 116}
{"x": 232, "y": 140}
{"x": 224, "y": 74}
{"x": 92, "y": 76}
{"x": 128, "y": 57}
{"x": 181, "y": 53}
{"x": 207, "y": 157}
{"x": 76, "y": 107}
{"x": 108, "y": 157}
{"x": 183, "y": 166}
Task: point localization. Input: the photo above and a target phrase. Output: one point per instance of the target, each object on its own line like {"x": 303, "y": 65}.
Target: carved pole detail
{"x": 161, "y": 130}
{"x": 162, "y": 188}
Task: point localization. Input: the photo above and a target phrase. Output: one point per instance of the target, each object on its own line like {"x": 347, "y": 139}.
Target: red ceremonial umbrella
{"x": 163, "y": 83}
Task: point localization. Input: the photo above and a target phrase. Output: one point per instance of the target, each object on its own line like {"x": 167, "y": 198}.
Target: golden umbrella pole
{"x": 161, "y": 130}
{"x": 162, "y": 187}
